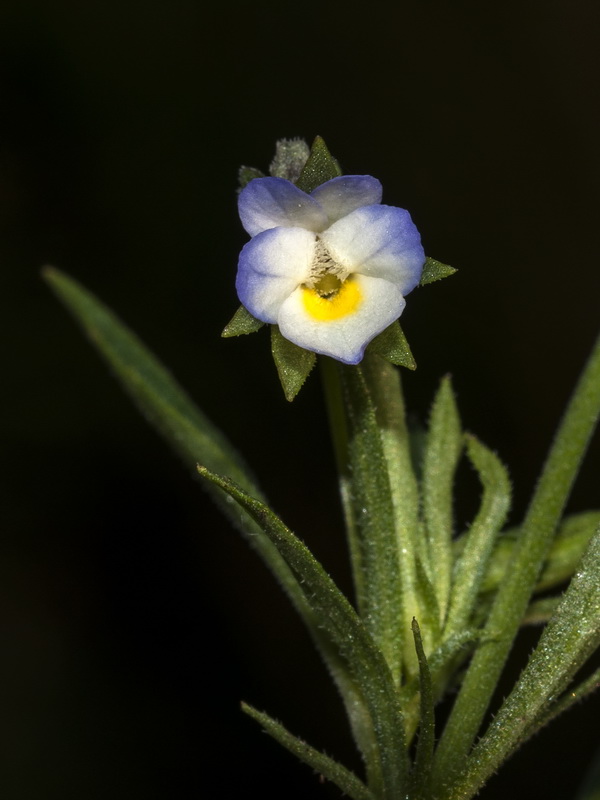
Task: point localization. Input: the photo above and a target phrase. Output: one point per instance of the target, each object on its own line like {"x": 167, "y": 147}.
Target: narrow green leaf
{"x": 444, "y": 664}
{"x": 382, "y": 604}
{"x": 152, "y": 388}
{"x": 388, "y": 765}
{"x": 512, "y": 598}
{"x": 241, "y": 323}
{"x": 293, "y": 363}
{"x": 471, "y": 566}
{"x": 442, "y": 452}
{"x": 568, "y": 546}
{"x": 566, "y": 643}
{"x": 168, "y": 408}
{"x": 331, "y": 770}
{"x": 435, "y": 271}
{"x": 426, "y": 740}
{"x": 320, "y": 167}
{"x": 443, "y": 661}
{"x": 392, "y": 345}
{"x": 540, "y": 611}
{"x": 428, "y": 603}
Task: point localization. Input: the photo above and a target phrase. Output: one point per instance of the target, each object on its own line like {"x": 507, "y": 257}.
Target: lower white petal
{"x": 342, "y": 330}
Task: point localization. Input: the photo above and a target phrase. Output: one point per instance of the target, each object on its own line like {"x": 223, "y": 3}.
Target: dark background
{"x": 133, "y": 618}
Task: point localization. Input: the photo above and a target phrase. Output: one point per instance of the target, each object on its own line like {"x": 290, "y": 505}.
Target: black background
{"x": 133, "y": 618}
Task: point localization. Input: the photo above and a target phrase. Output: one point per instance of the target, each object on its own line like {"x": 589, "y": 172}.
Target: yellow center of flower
{"x": 331, "y": 299}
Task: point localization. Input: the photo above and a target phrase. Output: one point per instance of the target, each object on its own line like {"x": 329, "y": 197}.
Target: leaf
{"x": 168, "y": 408}
{"x": 331, "y": 770}
{"x": 320, "y": 167}
{"x": 568, "y": 545}
{"x": 435, "y": 271}
{"x": 392, "y": 345}
{"x": 540, "y": 611}
{"x": 470, "y": 568}
{"x": 442, "y": 451}
{"x": 444, "y": 663}
{"x": 152, "y": 388}
{"x": 513, "y": 596}
{"x": 293, "y": 363}
{"x": 388, "y": 762}
{"x": 428, "y": 603}
{"x": 241, "y": 323}
{"x": 566, "y": 643}
{"x": 425, "y": 743}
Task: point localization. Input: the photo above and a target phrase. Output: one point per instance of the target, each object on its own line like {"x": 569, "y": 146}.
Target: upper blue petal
{"x": 274, "y": 202}
{"x": 344, "y": 194}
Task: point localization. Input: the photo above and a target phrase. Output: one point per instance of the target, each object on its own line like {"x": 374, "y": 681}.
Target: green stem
{"x": 383, "y": 381}
{"x": 544, "y": 513}
{"x": 369, "y": 507}
{"x": 334, "y": 399}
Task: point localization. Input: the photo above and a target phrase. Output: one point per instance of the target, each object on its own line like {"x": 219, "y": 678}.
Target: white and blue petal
{"x": 272, "y": 202}
{"x": 271, "y": 266}
{"x": 346, "y": 336}
{"x": 378, "y": 241}
{"x": 340, "y": 196}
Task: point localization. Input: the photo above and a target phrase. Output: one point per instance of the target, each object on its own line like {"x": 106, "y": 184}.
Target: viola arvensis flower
{"x": 330, "y": 268}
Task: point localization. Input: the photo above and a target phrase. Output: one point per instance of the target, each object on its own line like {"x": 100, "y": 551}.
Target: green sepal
{"x": 392, "y": 345}
{"x": 435, "y": 271}
{"x": 293, "y": 363}
{"x": 247, "y": 174}
{"x": 341, "y": 625}
{"x": 331, "y": 770}
{"x": 426, "y": 740}
{"x": 241, "y": 323}
{"x": 320, "y": 167}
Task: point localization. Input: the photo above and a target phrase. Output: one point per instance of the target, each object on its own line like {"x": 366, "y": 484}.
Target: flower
{"x": 330, "y": 268}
